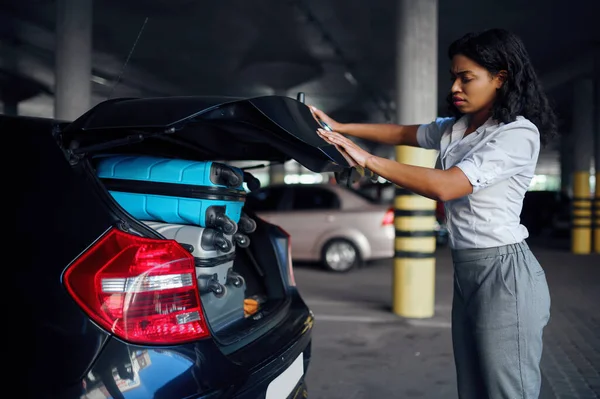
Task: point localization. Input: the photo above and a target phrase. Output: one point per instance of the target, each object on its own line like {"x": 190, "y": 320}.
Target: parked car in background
{"x": 384, "y": 193}
{"x": 331, "y": 224}
{"x": 115, "y": 308}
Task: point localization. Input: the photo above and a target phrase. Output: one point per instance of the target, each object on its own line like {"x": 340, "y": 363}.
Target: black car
{"x": 77, "y": 240}
{"x": 547, "y": 212}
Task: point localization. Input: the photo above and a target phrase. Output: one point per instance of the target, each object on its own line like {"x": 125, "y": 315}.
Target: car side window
{"x": 314, "y": 198}
{"x": 266, "y": 199}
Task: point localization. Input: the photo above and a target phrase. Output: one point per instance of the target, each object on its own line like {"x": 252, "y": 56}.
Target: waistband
{"x": 466, "y": 255}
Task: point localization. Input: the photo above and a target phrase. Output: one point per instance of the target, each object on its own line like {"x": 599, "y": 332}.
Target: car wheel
{"x": 340, "y": 255}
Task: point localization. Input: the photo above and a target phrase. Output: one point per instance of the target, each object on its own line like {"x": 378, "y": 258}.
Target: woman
{"x": 488, "y": 155}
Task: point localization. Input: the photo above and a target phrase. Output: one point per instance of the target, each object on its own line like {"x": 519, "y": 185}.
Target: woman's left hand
{"x": 359, "y": 155}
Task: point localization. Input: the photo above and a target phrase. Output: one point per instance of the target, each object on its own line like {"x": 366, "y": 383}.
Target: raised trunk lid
{"x": 271, "y": 128}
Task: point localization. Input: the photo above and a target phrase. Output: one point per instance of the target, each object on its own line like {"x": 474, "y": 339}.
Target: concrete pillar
{"x": 566, "y": 154}
{"x": 416, "y": 95}
{"x": 583, "y": 124}
{"x": 73, "y": 68}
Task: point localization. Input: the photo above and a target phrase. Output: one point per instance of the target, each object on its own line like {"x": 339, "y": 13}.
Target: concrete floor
{"x": 362, "y": 350}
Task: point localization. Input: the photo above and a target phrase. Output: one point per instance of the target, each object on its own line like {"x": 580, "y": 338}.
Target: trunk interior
{"x": 260, "y": 267}
{"x": 235, "y": 315}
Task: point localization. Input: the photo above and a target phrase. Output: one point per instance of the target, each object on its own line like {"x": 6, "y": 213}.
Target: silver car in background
{"x": 328, "y": 223}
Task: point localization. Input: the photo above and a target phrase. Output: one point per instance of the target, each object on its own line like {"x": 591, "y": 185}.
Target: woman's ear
{"x": 500, "y": 79}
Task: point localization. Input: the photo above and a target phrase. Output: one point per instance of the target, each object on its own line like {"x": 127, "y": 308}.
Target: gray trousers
{"x": 500, "y": 307}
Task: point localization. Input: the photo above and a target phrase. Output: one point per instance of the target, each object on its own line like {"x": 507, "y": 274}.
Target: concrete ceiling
{"x": 339, "y": 52}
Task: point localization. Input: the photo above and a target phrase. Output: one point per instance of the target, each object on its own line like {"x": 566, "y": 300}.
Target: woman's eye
{"x": 463, "y": 80}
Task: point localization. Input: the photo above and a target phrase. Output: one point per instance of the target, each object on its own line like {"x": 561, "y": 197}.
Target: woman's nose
{"x": 455, "y": 87}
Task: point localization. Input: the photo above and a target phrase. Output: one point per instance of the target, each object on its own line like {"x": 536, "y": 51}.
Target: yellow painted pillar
{"x": 596, "y": 209}
{"x": 414, "y": 263}
{"x": 581, "y": 230}
{"x": 583, "y": 130}
{"x": 416, "y": 102}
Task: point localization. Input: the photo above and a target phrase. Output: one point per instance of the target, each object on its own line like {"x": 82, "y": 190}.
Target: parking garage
{"x": 375, "y": 335}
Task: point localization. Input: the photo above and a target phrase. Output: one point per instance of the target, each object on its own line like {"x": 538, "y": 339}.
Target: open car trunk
{"x": 270, "y": 129}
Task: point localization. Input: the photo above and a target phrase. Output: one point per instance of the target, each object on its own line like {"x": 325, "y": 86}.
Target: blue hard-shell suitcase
{"x": 207, "y": 194}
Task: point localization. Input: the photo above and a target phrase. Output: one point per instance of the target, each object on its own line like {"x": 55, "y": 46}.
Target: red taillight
{"x": 388, "y": 218}
{"x": 142, "y": 290}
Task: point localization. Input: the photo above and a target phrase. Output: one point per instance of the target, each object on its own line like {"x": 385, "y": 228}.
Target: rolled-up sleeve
{"x": 429, "y": 135}
{"x": 505, "y": 154}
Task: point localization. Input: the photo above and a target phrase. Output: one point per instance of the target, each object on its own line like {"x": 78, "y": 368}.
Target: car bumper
{"x": 264, "y": 389}
{"x": 287, "y": 379}
{"x": 202, "y": 371}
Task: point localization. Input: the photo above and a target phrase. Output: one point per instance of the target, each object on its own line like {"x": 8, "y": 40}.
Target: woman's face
{"x": 473, "y": 88}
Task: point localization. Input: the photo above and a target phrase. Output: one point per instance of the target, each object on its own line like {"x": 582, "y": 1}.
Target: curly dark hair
{"x": 499, "y": 50}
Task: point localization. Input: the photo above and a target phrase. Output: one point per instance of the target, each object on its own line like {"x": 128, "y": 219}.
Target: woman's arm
{"x": 386, "y": 133}
{"x": 439, "y": 185}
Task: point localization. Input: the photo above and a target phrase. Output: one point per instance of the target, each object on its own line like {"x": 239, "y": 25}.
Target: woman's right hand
{"x": 322, "y": 116}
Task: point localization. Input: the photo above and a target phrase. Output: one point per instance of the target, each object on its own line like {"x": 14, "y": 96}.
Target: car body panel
{"x": 59, "y": 322}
